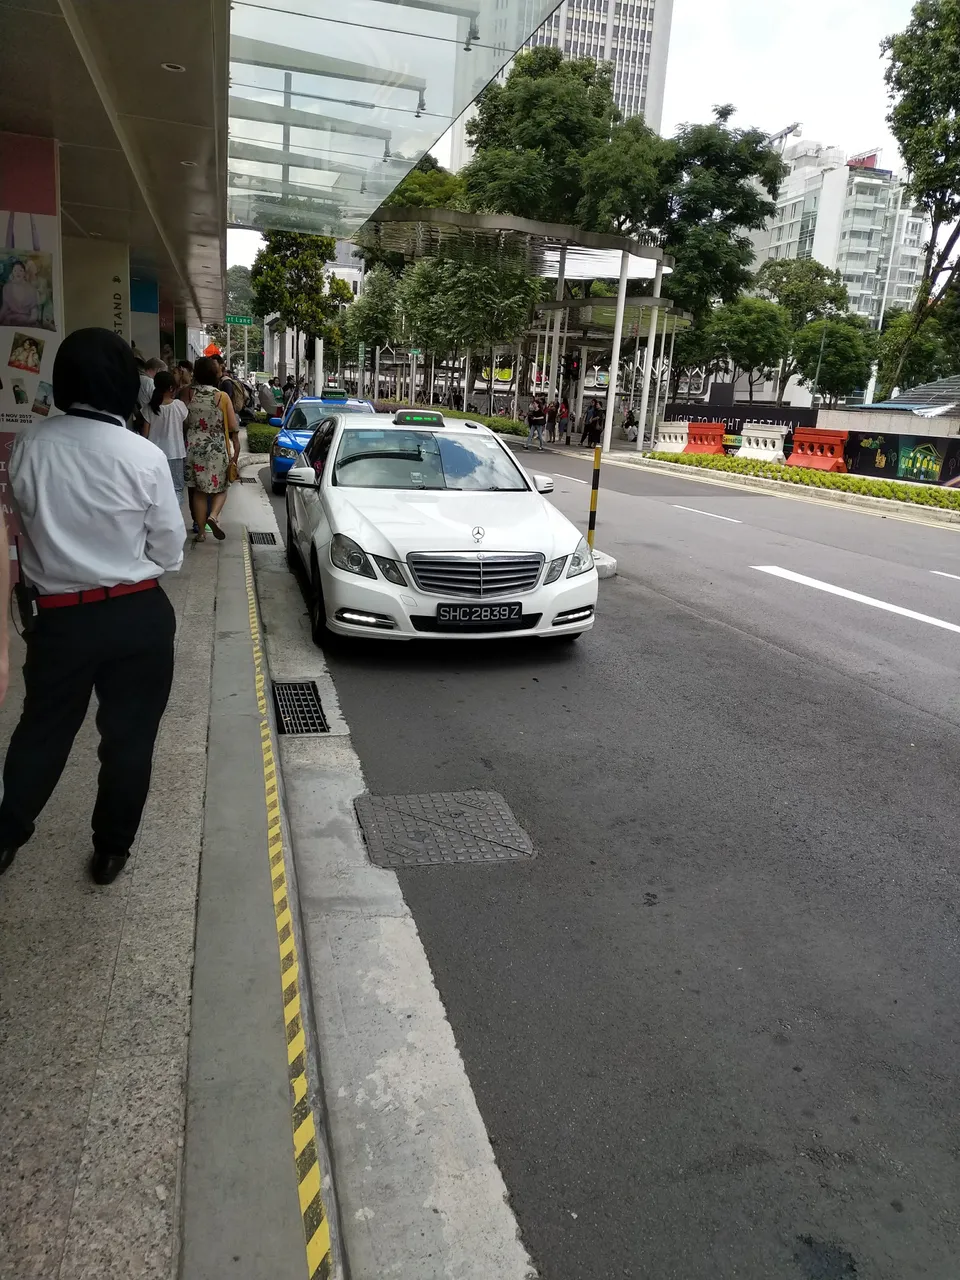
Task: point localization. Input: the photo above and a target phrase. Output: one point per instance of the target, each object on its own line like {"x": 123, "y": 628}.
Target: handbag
{"x": 233, "y": 471}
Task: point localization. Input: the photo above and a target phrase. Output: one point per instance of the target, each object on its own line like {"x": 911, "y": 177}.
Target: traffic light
{"x": 571, "y": 367}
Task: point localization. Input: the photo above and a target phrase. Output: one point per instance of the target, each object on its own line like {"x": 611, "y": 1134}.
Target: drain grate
{"x": 249, "y": 480}
{"x": 298, "y": 707}
{"x": 441, "y": 827}
{"x": 263, "y": 539}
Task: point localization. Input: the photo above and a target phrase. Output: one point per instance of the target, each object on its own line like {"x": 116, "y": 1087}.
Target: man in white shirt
{"x": 101, "y": 525}
{"x": 150, "y": 371}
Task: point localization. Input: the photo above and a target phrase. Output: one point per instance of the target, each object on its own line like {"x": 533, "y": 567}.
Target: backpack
{"x": 235, "y": 393}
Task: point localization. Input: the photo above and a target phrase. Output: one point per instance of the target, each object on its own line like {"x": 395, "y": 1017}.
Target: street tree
{"x": 927, "y": 357}
{"x": 289, "y": 277}
{"x": 753, "y": 335}
{"x": 239, "y": 303}
{"x": 428, "y": 186}
{"x": 487, "y": 306}
{"x": 834, "y": 356}
{"x": 808, "y": 291}
{"x": 531, "y": 132}
{"x": 372, "y": 319}
{"x": 923, "y": 79}
{"x": 695, "y": 352}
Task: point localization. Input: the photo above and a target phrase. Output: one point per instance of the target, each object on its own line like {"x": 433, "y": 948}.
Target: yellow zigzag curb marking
{"x": 316, "y": 1228}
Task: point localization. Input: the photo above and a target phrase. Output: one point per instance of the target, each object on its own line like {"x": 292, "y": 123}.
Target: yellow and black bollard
{"x": 594, "y": 494}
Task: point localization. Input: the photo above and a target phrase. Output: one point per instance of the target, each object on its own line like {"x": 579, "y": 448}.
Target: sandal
{"x": 199, "y": 537}
{"x": 215, "y": 529}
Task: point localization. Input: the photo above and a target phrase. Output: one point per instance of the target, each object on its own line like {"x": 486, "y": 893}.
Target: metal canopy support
{"x": 656, "y": 394}
{"x": 615, "y": 353}
{"x": 648, "y": 361}
{"x": 581, "y": 388}
{"x": 673, "y": 339}
{"x": 516, "y": 378}
{"x": 555, "y": 348}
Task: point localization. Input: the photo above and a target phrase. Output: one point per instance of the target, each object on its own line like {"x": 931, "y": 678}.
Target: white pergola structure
{"x": 546, "y": 249}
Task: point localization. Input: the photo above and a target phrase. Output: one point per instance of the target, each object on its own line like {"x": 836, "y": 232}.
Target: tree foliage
{"x": 428, "y": 186}
{"x": 289, "y": 277}
{"x": 923, "y": 79}
{"x": 834, "y": 356}
{"x": 239, "y": 303}
{"x": 928, "y": 356}
{"x": 808, "y": 291}
{"x": 753, "y": 335}
{"x": 373, "y": 317}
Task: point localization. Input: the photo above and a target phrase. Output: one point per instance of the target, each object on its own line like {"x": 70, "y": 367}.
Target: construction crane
{"x": 791, "y": 131}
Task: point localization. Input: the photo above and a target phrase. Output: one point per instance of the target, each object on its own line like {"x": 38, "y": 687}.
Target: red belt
{"x": 94, "y": 594}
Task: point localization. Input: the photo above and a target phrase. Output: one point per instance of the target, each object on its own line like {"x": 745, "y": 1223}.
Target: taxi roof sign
{"x": 418, "y": 418}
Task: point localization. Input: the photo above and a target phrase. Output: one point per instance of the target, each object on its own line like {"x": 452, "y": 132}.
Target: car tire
{"x": 293, "y": 558}
{"x": 323, "y": 637}
{"x": 279, "y": 487}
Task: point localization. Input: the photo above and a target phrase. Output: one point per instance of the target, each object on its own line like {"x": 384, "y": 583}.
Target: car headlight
{"x": 281, "y": 451}
{"x": 391, "y": 571}
{"x": 554, "y": 569}
{"x": 349, "y": 556}
{"x": 581, "y": 561}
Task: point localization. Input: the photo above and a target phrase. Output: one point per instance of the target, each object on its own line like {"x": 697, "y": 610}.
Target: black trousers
{"x": 123, "y": 649}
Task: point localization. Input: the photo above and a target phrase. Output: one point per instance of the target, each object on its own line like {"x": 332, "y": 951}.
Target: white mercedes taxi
{"x": 412, "y": 526}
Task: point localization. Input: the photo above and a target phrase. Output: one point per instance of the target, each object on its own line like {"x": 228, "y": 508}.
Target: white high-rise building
{"x": 853, "y": 217}
{"x": 632, "y": 34}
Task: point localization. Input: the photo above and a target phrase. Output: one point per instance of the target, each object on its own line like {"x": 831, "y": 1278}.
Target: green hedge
{"x": 923, "y": 495}
{"x": 260, "y": 437}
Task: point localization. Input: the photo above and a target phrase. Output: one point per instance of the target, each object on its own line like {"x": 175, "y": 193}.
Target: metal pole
{"x": 536, "y": 362}
{"x": 656, "y": 398}
{"x": 615, "y": 353}
{"x": 246, "y": 358}
{"x": 376, "y": 373}
{"x": 413, "y": 378}
{"x": 648, "y": 361}
{"x": 673, "y": 339}
{"x": 555, "y": 346}
{"x": 516, "y": 381}
{"x": 636, "y": 366}
{"x": 318, "y": 366}
{"x": 228, "y": 348}
{"x": 594, "y": 496}
{"x": 581, "y": 388}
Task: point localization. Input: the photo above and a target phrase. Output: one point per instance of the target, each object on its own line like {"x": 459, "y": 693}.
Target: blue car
{"x": 298, "y": 425}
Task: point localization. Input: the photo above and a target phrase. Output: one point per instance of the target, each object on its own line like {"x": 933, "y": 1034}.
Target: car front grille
{"x": 477, "y": 574}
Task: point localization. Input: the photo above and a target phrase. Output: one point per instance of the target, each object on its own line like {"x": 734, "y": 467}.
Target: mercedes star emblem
{"x": 478, "y": 533}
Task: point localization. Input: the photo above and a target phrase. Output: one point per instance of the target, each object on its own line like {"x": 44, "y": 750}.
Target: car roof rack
{"x": 418, "y": 418}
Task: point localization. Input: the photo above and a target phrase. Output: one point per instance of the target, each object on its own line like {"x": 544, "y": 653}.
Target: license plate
{"x": 470, "y": 615}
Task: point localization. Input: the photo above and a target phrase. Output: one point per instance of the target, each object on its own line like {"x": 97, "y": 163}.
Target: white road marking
{"x": 697, "y": 511}
{"x": 560, "y": 476}
{"x": 804, "y": 581}
{"x": 941, "y": 574}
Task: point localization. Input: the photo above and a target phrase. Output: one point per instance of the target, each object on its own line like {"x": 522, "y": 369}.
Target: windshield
{"x": 369, "y": 459}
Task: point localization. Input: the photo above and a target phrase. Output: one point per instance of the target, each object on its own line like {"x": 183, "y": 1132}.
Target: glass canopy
{"x": 332, "y": 103}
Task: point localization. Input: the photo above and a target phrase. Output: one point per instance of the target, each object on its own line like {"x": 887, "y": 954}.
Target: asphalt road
{"x": 712, "y": 1028}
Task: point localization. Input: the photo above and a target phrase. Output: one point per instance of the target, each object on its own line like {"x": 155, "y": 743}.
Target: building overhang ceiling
{"x": 142, "y": 149}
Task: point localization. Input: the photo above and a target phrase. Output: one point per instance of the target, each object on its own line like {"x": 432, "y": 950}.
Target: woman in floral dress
{"x": 210, "y": 418}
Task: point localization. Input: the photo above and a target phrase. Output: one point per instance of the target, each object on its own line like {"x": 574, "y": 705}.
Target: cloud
{"x": 813, "y": 61}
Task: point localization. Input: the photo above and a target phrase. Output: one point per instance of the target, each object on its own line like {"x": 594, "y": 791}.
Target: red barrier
{"x": 818, "y": 449}
{"x": 705, "y": 437}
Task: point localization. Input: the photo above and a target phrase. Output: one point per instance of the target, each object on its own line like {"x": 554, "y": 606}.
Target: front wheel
{"x": 279, "y": 487}
{"x": 323, "y": 637}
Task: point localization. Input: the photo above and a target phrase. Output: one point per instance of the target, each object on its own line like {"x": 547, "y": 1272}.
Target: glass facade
{"x": 331, "y": 104}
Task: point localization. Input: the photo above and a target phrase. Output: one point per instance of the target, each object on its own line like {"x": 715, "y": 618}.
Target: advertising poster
{"x": 31, "y": 303}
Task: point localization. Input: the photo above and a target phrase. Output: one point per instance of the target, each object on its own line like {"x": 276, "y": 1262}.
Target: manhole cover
{"x": 263, "y": 539}
{"x": 441, "y": 827}
{"x": 249, "y": 480}
{"x": 298, "y": 707}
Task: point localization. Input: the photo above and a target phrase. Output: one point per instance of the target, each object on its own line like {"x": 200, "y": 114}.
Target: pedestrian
{"x": 165, "y": 416}
{"x": 289, "y": 390}
{"x": 536, "y": 417}
{"x": 265, "y": 396}
{"x": 213, "y": 448}
{"x": 184, "y": 374}
{"x": 552, "y": 409}
{"x": 563, "y": 418}
{"x": 101, "y": 526}
{"x": 630, "y": 427}
{"x": 591, "y": 414}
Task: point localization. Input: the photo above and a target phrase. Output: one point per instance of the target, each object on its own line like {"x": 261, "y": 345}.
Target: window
{"x": 319, "y": 446}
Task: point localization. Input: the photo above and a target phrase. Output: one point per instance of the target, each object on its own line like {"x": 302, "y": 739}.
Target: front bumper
{"x": 405, "y": 613}
{"x": 280, "y": 466}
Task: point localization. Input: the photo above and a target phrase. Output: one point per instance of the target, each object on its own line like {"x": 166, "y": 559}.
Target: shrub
{"x": 923, "y": 495}
{"x": 260, "y": 437}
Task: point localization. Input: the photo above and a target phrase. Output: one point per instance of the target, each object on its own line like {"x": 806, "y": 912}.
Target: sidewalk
{"x": 134, "y": 1145}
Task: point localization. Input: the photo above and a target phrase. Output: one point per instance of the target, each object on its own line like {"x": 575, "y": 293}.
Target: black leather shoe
{"x": 105, "y": 867}
{"x": 7, "y": 856}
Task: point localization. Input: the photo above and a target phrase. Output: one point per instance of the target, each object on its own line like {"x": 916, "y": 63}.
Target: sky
{"x": 780, "y": 61}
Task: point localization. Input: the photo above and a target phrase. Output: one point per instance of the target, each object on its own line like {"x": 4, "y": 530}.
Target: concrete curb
{"x": 606, "y": 565}
{"x": 883, "y": 506}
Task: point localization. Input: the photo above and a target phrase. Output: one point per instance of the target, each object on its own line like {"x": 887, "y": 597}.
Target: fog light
{"x": 378, "y": 620}
{"x": 573, "y": 615}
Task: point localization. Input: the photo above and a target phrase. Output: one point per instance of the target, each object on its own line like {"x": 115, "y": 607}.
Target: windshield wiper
{"x": 385, "y": 453}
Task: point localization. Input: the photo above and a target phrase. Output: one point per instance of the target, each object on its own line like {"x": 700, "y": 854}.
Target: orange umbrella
{"x": 212, "y": 350}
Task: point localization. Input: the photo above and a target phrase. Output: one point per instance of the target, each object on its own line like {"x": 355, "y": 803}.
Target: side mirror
{"x": 303, "y": 478}
{"x": 543, "y": 484}
{"x": 276, "y": 422}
